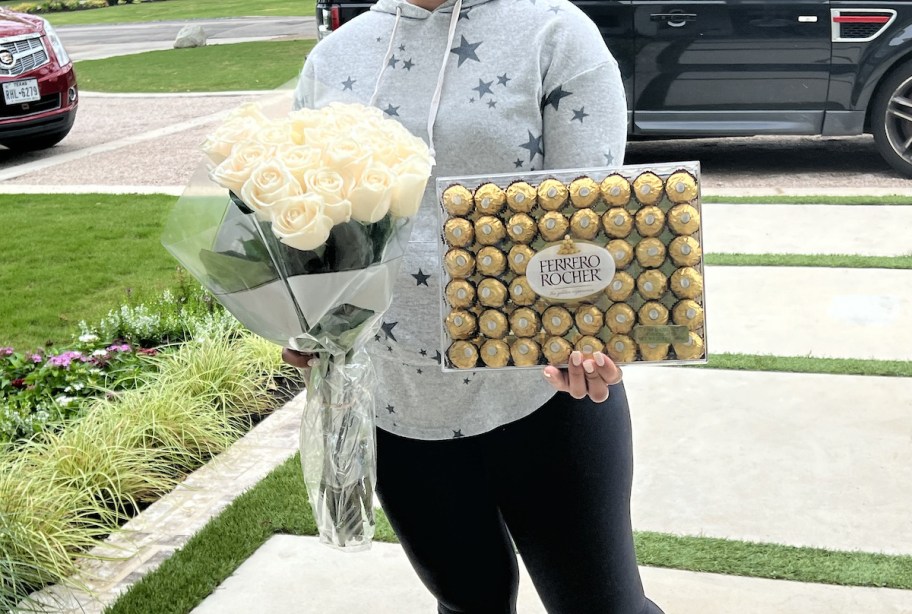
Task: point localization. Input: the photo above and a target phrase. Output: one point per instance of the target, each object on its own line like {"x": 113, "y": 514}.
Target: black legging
{"x": 557, "y": 481}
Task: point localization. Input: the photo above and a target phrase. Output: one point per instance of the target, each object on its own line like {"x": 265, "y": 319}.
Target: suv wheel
{"x": 891, "y": 122}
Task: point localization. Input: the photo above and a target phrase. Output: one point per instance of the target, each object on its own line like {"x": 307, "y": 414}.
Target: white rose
{"x": 372, "y": 194}
{"x": 274, "y": 133}
{"x": 235, "y": 170}
{"x": 411, "y": 179}
{"x": 248, "y": 111}
{"x": 299, "y": 222}
{"x": 339, "y": 211}
{"x": 330, "y": 186}
{"x": 299, "y": 159}
{"x": 301, "y": 120}
{"x": 268, "y": 183}
{"x": 346, "y": 157}
{"x": 218, "y": 145}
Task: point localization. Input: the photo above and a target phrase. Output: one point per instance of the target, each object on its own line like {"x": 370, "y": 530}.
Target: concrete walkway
{"x": 298, "y": 575}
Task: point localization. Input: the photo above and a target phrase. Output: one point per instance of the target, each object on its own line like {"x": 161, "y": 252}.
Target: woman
{"x": 470, "y": 463}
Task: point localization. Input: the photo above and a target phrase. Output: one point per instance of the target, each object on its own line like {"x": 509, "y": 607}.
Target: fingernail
{"x": 589, "y": 367}
{"x": 546, "y": 374}
{"x": 312, "y": 362}
{"x": 599, "y": 359}
{"x": 576, "y": 358}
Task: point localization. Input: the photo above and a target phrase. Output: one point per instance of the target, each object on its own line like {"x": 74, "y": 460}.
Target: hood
{"x": 412, "y": 11}
{"x": 17, "y": 24}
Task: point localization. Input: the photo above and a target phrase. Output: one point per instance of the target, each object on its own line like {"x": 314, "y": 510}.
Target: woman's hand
{"x": 298, "y": 359}
{"x": 590, "y": 377}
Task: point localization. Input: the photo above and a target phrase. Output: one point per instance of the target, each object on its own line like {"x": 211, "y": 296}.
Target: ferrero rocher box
{"x": 539, "y": 264}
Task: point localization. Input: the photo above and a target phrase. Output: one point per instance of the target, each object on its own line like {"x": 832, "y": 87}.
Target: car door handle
{"x": 675, "y": 20}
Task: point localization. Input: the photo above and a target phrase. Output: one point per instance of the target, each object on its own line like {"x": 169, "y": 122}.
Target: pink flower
{"x": 64, "y": 360}
{"x": 36, "y": 358}
{"x": 7, "y": 351}
{"x": 119, "y": 347}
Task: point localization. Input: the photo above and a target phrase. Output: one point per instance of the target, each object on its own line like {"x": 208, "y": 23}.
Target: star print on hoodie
{"x": 558, "y": 102}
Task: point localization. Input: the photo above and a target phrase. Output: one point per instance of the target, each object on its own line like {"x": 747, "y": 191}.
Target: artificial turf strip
{"x": 261, "y": 65}
{"x": 278, "y": 504}
{"x": 807, "y": 364}
{"x": 894, "y": 199}
{"x": 846, "y": 261}
{"x": 72, "y": 257}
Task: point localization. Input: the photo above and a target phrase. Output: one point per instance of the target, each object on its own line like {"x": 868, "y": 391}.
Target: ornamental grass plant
{"x": 62, "y": 491}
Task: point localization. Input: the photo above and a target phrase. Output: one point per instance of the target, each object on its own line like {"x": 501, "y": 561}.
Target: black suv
{"x": 738, "y": 68}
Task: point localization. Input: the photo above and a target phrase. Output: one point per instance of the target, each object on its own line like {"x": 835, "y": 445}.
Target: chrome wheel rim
{"x": 898, "y": 121}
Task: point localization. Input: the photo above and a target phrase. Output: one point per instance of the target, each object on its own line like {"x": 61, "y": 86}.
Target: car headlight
{"x": 59, "y": 51}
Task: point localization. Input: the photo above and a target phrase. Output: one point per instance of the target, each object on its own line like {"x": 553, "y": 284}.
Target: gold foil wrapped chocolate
{"x": 621, "y": 251}
{"x": 652, "y": 284}
{"x": 584, "y": 224}
{"x": 620, "y": 318}
{"x": 463, "y": 355}
{"x": 615, "y": 190}
{"x": 521, "y": 197}
{"x": 618, "y": 223}
{"x": 459, "y": 263}
{"x": 519, "y": 258}
{"x": 489, "y": 230}
{"x": 689, "y": 313}
{"x": 490, "y": 261}
{"x": 458, "y": 232}
{"x": 556, "y": 321}
{"x": 648, "y": 188}
{"x": 457, "y": 200}
{"x": 584, "y": 192}
{"x": 557, "y": 350}
{"x": 621, "y": 349}
{"x": 621, "y": 287}
{"x": 589, "y": 319}
{"x": 692, "y": 349}
{"x": 525, "y": 352}
{"x": 495, "y": 353}
{"x": 521, "y": 228}
{"x": 684, "y": 219}
{"x": 650, "y": 253}
{"x": 553, "y": 226}
{"x": 521, "y": 292}
{"x": 460, "y": 324}
{"x": 493, "y": 324}
{"x": 491, "y": 292}
{"x": 552, "y": 194}
{"x": 460, "y": 294}
{"x": 653, "y": 313}
{"x": 654, "y": 351}
{"x": 524, "y": 322}
{"x": 687, "y": 283}
{"x": 589, "y": 345}
{"x": 685, "y": 251}
{"x": 489, "y": 199}
{"x": 681, "y": 187}
{"x": 650, "y": 221}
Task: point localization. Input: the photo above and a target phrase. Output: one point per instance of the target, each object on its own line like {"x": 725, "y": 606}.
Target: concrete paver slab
{"x": 821, "y": 312}
{"x": 807, "y": 229}
{"x": 297, "y": 574}
{"x": 797, "y": 459}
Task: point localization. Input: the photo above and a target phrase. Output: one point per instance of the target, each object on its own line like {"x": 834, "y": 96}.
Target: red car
{"x": 39, "y": 98}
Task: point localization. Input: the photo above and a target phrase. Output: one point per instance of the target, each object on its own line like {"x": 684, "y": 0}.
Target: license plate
{"x": 25, "y": 90}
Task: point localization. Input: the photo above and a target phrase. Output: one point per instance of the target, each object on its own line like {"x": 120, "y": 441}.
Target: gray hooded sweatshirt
{"x": 522, "y": 85}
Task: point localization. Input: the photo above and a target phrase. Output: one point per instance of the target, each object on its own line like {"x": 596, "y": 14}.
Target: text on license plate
{"x": 25, "y": 90}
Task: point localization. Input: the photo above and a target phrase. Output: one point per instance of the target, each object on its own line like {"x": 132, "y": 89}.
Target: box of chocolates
{"x": 540, "y": 264}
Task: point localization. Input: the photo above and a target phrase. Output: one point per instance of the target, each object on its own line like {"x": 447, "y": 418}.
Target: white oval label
{"x": 553, "y": 273}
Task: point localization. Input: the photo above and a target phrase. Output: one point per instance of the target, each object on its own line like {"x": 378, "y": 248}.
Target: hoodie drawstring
{"x": 438, "y": 90}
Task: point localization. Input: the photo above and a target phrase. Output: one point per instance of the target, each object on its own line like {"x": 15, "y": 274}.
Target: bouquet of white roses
{"x": 303, "y": 250}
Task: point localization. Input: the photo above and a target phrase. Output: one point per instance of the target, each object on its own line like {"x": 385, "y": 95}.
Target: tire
{"x": 891, "y": 119}
{"x": 34, "y": 143}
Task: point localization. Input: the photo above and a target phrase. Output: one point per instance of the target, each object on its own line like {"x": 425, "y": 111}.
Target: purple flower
{"x": 119, "y": 347}
{"x": 7, "y": 351}
{"x": 64, "y": 360}
{"x": 36, "y": 358}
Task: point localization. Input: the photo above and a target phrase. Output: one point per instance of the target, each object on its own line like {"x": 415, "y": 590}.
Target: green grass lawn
{"x": 848, "y": 261}
{"x": 70, "y": 257}
{"x": 184, "y": 9}
{"x": 278, "y": 504}
{"x": 241, "y": 66}
{"x": 809, "y": 200}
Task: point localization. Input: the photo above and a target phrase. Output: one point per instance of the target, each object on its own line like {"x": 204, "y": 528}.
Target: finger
{"x": 596, "y": 387}
{"x": 576, "y": 376}
{"x": 609, "y": 372}
{"x": 557, "y": 378}
{"x": 297, "y": 359}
